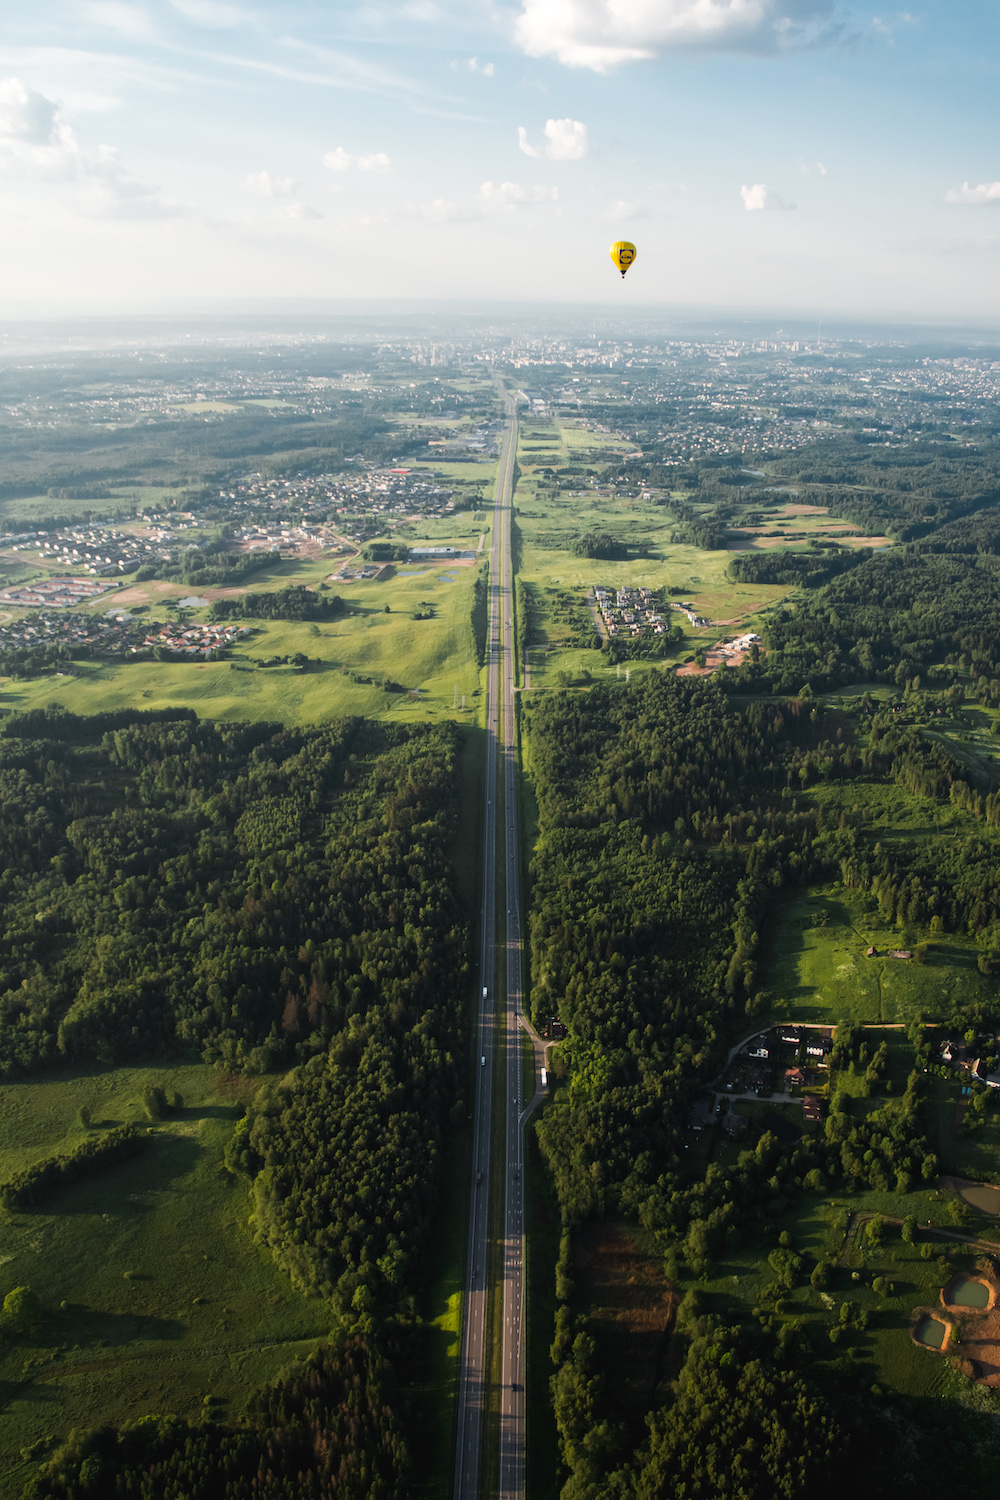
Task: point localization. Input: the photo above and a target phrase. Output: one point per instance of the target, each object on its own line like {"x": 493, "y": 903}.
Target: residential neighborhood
{"x": 628, "y": 612}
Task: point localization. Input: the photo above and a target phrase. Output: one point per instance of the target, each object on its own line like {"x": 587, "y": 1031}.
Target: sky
{"x": 781, "y": 155}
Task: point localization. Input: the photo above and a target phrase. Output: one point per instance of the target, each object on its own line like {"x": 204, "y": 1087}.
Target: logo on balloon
{"x": 623, "y": 253}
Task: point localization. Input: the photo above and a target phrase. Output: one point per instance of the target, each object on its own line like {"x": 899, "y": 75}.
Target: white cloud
{"x": 127, "y": 20}
{"x": 888, "y": 28}
{"x": 26, "y": 115}
{"x": 759, "y": 198}
{"x": 969, "y": 197}
{"x": 624, "y": 210}
{"x": 473, "y": 65}
{"x": 566, "y": 140}
{"x": 507, "y": 194}
{"x": 211, "y": 13}
{"x": 117, "y": 195}
{"x": 268, "y": 186}
{"x": 441, "y": 211}
{"x": 342, "y": 161}
{"x": 806, "y": 168}
{"x": 38, "y": 144}
{"x": 602, "y": 34}
{"x": 301, "y": 211}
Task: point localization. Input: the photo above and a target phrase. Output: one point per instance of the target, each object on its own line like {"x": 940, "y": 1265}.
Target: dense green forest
{"x": 267, "y": 898}
{"x": 669, "y": 822}
{"x": 890, "y": 619}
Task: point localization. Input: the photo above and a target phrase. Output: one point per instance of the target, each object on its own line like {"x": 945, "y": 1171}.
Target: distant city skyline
{"x": 802, "y": 157}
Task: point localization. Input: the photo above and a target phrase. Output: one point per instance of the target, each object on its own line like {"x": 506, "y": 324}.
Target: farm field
{"x": 154, "y": 1295}
{"x": 794, "y": 526}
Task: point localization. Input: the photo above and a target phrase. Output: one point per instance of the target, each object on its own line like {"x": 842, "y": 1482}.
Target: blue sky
{"x": 766, "y": 154}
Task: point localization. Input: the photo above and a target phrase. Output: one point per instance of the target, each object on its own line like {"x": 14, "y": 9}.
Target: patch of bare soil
{"x": 978, "y": 1334}
{"x": 140, "y": 593}
{"x": 980, "y": 1342}
{"x": 631, "y": 1308}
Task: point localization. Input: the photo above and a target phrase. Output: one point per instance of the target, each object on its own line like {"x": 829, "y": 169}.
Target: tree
{"x": 21, "y": 1311}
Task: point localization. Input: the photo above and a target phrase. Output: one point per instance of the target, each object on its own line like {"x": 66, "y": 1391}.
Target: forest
{"x": 266, "y": 899}
{"x": 669, "y": 821}
{"x": 892, "y": 618}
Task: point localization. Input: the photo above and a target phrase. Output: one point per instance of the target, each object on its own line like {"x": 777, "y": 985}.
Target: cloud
{"x": 759, "y": 198}
{"x": 566, "y": 140}
{"x": 127, "y": 20}
{"x": 806, "y": 168}
{"x": 268, "y": 186}
{"x": 211, "y": 13}
{"x": 507, "y": 194}
{"x": 473, "y": 65}
{"x": 301, "y": 211}
{"x": 602, "y": 34}
{"x": 626, "y": 210}
{"x": 968, "y": 196}
{"x": 441, "y": 211}
{"x": 888, "y": 28}
{"x": 341, "y": 161}
{"x": 120, "y": 196}
{"x": 38, "y": 144}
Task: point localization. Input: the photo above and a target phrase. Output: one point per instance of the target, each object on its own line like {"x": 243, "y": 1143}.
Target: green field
{"x": 430, "y": 658}
{"x": 816, "y": 968}
{"x": 120, "y": 501}
{"x": 154, "y": 1294}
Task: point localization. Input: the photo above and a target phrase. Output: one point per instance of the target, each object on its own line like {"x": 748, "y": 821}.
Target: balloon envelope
{"x": 623, "y": 253}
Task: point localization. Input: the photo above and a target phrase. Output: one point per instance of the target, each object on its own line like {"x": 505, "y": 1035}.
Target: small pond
{"x": 965, "y": 1291}
{"x": 930, "y": 1331}
{"x": 980, "y": 1195}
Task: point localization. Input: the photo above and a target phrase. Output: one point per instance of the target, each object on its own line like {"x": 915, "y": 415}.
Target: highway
{"x": 476, "y": 1356}
{"x": 499, "y": 1047}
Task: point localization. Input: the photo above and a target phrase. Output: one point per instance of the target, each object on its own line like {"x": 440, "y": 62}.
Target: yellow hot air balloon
{"x": 622, "y": 252}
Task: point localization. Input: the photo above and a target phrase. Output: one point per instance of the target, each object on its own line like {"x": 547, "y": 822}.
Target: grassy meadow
{"x": 155, "y": 1297}
{"x": 817, "y": 971}
{"x": 349, "y": 658}
{"x": 119, "y": 501}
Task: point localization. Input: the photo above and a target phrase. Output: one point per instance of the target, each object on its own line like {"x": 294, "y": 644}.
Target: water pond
{"x": 980, "y": 1195}
{"x": 966, "y": 1291}
{"x": 930, "y": 1331}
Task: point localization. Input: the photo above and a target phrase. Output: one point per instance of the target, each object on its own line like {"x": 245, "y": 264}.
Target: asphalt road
{"x": 476, "y": 1357}
{"x": 512, "y": 1290}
